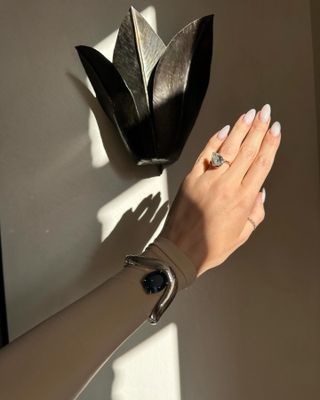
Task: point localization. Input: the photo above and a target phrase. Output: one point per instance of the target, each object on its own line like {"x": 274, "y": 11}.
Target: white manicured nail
{"x": 263, "y": 195}
{"x": 249, "y": 117}
{"x": 265, "y": 113}
{"x": 275, "y": 128}
{"x": 223, "y": 133}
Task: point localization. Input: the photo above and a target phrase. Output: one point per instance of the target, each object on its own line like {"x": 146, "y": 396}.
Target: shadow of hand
{"x": 130, "y": 236}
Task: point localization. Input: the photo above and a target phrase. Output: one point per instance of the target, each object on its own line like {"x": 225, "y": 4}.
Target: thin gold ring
{"x": 253, "y": 223}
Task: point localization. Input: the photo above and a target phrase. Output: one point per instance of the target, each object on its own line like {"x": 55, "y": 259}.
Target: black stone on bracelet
{"x": 155, "y": 282}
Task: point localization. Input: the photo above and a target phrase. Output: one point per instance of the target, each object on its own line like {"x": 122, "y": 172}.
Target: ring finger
{"x": 227, "y": 146}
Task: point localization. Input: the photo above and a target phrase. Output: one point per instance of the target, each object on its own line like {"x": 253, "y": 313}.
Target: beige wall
{"x": 246, "y": 330}
{"x": 315, "y": 25}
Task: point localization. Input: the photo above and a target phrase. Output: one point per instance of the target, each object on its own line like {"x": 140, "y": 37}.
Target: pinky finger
{"x": 257, "y": 216}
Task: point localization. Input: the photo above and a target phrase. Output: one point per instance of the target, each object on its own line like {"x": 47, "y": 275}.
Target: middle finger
{"x": 250, "y": 145}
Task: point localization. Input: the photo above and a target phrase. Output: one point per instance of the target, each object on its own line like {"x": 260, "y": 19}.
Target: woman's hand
{"x": 209, "y": 217}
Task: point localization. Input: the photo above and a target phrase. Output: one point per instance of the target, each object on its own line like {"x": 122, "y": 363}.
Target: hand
{"x": 209, "y": 217}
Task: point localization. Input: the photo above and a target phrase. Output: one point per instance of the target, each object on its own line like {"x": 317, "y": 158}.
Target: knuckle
{"x": 229, "y": 149}
{"x": 263, "y": 161}
{"x": 248, "y": 151}
{"x": 260, "y": 127}
{"x": 272, "y": 141}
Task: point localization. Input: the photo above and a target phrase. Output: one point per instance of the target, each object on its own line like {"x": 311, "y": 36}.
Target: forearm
{"x": 56, "y": 359}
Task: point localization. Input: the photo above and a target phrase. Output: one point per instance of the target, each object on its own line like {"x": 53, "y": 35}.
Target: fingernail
{"x": 223, "y": 133}
{"x": 249, "y": 117}
{"x": 263, "y": 195}
{"x": 265, "y": 113}
{"x": 275, "y": 128}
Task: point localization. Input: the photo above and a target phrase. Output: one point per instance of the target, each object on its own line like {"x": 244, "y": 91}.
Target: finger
{"x": 250, "y": 146}
{"x": 230, "y": 147}
{"x": 151, "y": 208}
{"x": 257, "y": 214}
{"x": 142, "y": 206}
{"x": 160, "y": 214}
{"x": 261, "y": 166}
{"x": 213, "y": 144}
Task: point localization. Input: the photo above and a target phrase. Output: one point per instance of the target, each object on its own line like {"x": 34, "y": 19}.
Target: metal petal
{"x": 137, "y": 50}
{"x": 180, "y": 83}
{"x": 115, "y": 99}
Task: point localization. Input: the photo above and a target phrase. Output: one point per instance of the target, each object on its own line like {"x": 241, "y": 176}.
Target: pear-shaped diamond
{"x": 216, "y": 159}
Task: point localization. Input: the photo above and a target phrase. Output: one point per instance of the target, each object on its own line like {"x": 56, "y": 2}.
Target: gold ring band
{"x": 253, "y": 223}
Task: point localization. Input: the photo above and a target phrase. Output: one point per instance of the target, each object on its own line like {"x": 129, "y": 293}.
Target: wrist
{"x": 164, "y": 249}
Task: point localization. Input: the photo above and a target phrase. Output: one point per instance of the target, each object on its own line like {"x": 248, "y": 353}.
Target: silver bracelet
{"x": 165, "y": 274}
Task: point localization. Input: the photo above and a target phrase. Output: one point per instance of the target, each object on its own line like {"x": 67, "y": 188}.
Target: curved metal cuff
{"x": 170, "y": 290}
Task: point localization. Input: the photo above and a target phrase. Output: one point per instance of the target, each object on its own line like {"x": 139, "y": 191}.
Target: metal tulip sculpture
{"x": 153, "y": 92}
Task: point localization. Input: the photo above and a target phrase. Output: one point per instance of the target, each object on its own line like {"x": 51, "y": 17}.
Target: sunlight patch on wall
{"x": 150, "y": 370}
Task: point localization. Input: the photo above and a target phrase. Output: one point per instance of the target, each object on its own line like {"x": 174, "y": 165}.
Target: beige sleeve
{"x": 57, "y": 359}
